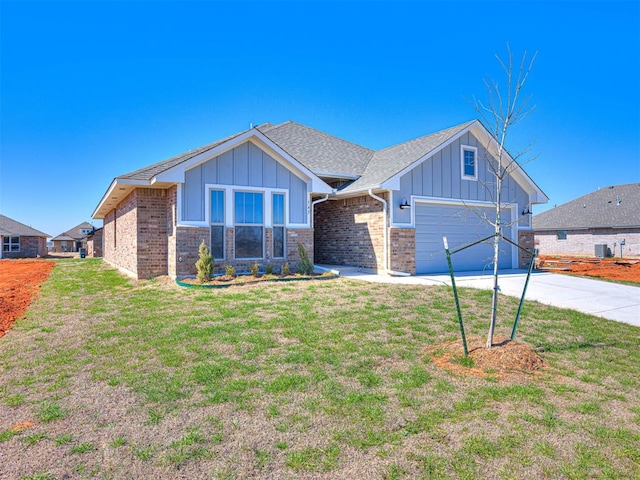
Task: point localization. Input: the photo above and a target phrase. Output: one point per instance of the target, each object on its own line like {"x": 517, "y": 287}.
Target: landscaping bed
{"x": 222, "y": 281}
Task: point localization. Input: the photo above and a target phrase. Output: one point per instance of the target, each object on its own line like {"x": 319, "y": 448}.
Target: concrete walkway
{"x": 596, "y": 297}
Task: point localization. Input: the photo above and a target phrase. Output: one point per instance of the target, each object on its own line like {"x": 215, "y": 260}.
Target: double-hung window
{"x": 469, "y": 162}
{"x": 249, "y": 225}
{"x": 11, "y": 244}
{"x": 217, "y": 224}
{"x": 278, "y": 225}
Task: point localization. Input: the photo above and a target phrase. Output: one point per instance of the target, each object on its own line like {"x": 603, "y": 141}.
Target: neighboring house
{"x": 20, "y": 241}
{"x": 254, "y": 196}
{"x": 94, "y": 243}
{"x": 597, "y": 224}
{"x": 71, "y": 240}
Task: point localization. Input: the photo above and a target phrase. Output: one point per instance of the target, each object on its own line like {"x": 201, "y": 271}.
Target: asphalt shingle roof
{"x": 147, "y": 173}
{"x": 325, "y": 154}
{"x": 10, "y": 227}
{"x": 610, "y": 207}
{"x": 75, "y": 233}
{"x": 388, "y": 162}
{"x": 319, "y": 151}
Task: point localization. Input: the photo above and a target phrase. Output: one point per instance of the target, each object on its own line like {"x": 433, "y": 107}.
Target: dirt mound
{"x": 610, "y": 268}
{"x": 506, "y": 358}
{"x": 19, "y": 282}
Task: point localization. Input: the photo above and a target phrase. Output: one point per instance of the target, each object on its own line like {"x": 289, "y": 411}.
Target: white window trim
{"x": 265, "y": 215}
{"x": 469, "y": 148}
{"x": 224, "y": 231}
{"x": 284, "y": 225}
{"x": 10, "y": 243}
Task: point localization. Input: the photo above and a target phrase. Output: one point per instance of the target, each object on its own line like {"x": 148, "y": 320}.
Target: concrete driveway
{"x": 596, "y": 297}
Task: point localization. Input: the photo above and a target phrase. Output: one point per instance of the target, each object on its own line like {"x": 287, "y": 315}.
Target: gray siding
{"x": 246, "y": 166}
{"x": 440, "y": 176}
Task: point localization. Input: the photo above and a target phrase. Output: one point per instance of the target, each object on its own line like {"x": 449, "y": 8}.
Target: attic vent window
{"x": 469, "y": 162}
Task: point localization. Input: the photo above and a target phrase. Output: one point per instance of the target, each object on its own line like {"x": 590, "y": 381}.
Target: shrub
{"x": 230, "y": 271}
{"x": 269, "y": 269}
{"x": 285, "y": 269}
{"x": 205, "y": 264}
{"x": 254, "y": 269}
{"x": 305, "y": 267}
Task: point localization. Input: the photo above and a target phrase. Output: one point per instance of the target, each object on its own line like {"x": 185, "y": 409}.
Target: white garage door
{"x": 461, "y": 225}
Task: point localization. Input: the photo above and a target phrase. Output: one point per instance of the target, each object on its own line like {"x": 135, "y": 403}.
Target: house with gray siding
{"x": 21, "y": 241}
{"x": 254, "y": 196}
{"x": 600, "y": 223}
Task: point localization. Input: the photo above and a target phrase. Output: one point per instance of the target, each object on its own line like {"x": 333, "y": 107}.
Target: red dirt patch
{"x": 19, "y": 282}
{"x": 506, "y": 358}
{"x": 610, "y": 268}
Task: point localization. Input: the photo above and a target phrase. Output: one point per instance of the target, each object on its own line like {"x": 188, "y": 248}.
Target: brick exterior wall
{"x": 152, "y": 232}
{"x": 583, "y": 242}
{"x": 402, "y": 245}
{"x": 65, "y": 245}
{"x": 525, "y": 240}
{"x": 189, "y": 239}
{"x": 30, "y": 247}
{"x": 135, "y": 234}
{"x": 350, "y": 232}
{"x": 94, "y": 244}
{"x": 142, "y": 239}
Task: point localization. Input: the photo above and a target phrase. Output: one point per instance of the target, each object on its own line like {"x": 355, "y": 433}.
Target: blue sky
{"x": 91, "y": 90}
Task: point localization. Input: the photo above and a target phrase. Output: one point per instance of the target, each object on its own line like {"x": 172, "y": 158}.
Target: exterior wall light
{"x": 404, "y": 204}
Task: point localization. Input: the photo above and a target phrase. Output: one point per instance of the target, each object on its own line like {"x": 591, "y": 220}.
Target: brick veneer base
{"x": 583, "y": 242}
{"x": 30, "y": 247}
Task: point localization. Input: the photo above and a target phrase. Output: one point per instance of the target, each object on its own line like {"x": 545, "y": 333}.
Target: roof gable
{"x": 617, "y": 206}
{"x": 393, "y": 161}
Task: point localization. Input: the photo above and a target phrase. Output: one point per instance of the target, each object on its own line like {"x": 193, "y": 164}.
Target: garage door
{"x": 461, "y": 225}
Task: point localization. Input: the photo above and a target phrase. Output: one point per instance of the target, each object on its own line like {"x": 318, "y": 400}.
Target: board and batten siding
{"x": 440, "y": 176}
{"x": 244, "y": 166}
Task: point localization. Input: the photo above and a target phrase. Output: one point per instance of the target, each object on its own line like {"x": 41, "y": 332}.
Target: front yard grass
{"x": 317, "y": 379}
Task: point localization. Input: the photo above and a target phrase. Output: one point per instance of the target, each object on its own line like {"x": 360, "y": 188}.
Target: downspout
{"x": 386, "y": 235}
{"x": 313, "y": 204}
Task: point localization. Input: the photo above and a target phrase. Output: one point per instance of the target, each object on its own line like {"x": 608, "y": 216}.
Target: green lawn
{"x": 314, "y": 379}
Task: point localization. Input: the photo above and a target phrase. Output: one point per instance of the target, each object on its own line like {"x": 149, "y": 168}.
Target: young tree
{"x": 205, "y": 264}
{"x": 504, "y": 107}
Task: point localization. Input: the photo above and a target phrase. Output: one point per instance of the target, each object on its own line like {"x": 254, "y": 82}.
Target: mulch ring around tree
{"x": 505, "y": 359}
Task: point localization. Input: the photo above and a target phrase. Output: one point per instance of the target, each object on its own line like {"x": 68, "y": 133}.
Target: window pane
{"x": 469, "y": 163}
{"x": 248, "y": 242}
{"x": 217, "y": 206}
{"x": 278, "y": 209}
{"x": 248, "y": 207}
{"x": 217, "y": 241}
{"x": 278, "y": 242}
